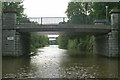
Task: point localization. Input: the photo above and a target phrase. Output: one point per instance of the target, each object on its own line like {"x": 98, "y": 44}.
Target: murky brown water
{"x": 52, "y": 62}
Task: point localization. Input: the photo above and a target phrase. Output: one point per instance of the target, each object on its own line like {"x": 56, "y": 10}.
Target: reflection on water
{"x": 52, "y": 62}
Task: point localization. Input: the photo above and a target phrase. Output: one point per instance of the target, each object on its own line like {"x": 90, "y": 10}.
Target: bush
{"x": 38, "y": 42}
{"x": 72, "y": 44}
{"x": 63, "y": 41}
{"x": 76, "y": 42}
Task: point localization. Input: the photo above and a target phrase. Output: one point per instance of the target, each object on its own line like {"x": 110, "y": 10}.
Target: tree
{"x": 77, "y": 12}
{"x": 99, "y": 10}
{"x": 18, "y": 6}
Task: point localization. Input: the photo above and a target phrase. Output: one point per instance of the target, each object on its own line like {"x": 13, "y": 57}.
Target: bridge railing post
{"x": 41, "y": 21}
{"x": 63, "y": 19}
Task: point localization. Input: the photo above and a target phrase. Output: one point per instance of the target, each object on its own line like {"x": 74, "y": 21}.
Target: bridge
{"x": 16, "y": 33}
{"x": 64, "y": 28}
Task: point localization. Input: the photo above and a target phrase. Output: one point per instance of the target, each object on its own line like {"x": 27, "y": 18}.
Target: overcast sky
{"x": 45, "y": 8}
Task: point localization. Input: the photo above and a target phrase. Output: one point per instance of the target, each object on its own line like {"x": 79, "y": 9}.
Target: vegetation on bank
{"x": 38, "y": 42}
{"x": 75, "y": 42}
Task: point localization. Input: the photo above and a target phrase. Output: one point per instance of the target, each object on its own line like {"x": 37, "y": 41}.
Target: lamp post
{"x": 106, "y": 13}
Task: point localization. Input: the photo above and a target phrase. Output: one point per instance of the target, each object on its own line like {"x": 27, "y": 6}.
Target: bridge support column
{"x": 8, "y": 36}
{"x": 100, "y": 46}
{"x": 23, "y": 43}
{"x": 13, "y": 43}
{"x": 108, "y": 44}
{"x": 113, "y": 35}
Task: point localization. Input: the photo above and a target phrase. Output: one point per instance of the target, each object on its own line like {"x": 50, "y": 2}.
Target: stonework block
{"x": 9, "y": 20}
{"x": 101, "y": 45}
{"x": 8, "y": 44}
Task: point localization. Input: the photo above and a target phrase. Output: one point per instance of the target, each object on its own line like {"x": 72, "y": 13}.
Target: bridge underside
{"x": 64, "y": 29}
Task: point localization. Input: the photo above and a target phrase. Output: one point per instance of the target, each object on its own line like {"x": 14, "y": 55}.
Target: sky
{"x": 45, "y": 8}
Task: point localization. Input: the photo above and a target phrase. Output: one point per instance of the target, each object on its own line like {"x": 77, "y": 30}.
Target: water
{"x": 52, "y": 62}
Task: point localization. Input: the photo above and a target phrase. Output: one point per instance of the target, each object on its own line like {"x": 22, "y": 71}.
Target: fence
{"x": 42, "y": 20}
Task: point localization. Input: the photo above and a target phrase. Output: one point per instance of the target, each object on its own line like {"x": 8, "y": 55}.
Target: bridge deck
{"x": 64, "y": 28}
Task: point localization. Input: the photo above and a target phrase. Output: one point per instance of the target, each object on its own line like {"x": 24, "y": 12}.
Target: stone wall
{"x": 8, "y": 43}
{"x": 113, "y": 43}
{"x": 106, "y": 45}
{"x": 14, "y": 43}
{"x": 17, "y": 46}
{"x": 23, "y": 43}
{"x": 114, "y": 35}
{"x": 109, "y": 44}
{"x": 101, "y": 45}
{"x": 9, "y": 20}
{"x": 119, "y": 35}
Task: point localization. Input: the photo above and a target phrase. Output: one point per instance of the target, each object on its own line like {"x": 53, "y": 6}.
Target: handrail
{"x": 42, "y": 20}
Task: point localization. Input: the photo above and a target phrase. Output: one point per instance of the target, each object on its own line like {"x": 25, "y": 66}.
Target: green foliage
{"x": 63, "y": 41}
{"x": 99, "y": 9}
{"x": 76, "y": 42}
{"x": 77, "y": 12}
{"x": 87, "y": 12}
{"x": 38, "y": 41}
{"x": 72, "y": 44}
{"x": 84, "y": 13}
{"x": 77, "y": 9}
{"x": 18, "y": 6}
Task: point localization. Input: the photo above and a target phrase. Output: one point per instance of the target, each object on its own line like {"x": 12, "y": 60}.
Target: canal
{"x": 52, "y": 62}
